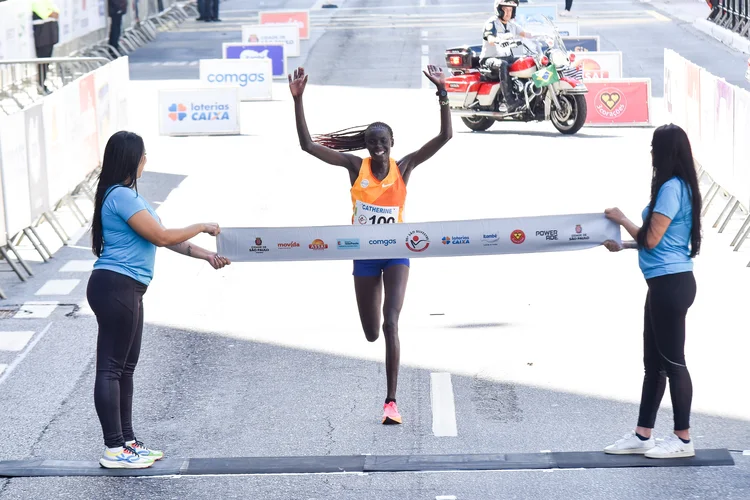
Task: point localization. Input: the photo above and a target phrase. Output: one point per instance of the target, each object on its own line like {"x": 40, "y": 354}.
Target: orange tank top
{"x": 378, "y": 202}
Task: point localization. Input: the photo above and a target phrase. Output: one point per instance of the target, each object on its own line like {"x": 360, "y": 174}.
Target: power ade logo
{"x": 200, "y": 112}
{"x": 549, "y": 235}
{"x": 579, "y": 234}
{"x": 417, "y": 241}
{"x": 258, "y": 247}
{"x": 456, "y": 240}
{"x": 287, "y": 246}
{"x": 348, "y": 244}
{"x": 383, "y": 242}
{"x": 243, "y": 79}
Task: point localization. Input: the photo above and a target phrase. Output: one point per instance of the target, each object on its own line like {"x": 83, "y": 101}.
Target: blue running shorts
{"x": 375, "y": 267}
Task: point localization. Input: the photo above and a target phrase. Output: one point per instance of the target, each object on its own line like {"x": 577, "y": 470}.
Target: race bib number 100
{"x": 373, "y": 214}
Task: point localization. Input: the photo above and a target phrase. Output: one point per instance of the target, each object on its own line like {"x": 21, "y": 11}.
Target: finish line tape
{"x": 551, "y": 233}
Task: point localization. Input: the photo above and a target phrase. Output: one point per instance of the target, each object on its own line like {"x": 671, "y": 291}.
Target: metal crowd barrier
{"x": 14, "y": 82}
{"x": 18, "y": 78}
{"x": 733, "y": 15}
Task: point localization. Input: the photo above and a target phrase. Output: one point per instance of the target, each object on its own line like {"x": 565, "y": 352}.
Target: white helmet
{"x": 499, "y": 4}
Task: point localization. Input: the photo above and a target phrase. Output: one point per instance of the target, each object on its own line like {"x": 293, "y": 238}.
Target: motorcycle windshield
{"x": 544, "y": 33}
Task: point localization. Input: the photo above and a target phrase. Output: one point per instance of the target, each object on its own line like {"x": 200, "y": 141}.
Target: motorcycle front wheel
{"x": 478, "y": 123}
{"x": 572, "y": 116}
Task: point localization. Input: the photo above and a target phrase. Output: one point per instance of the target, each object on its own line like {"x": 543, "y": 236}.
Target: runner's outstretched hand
{"x": 435, "y": 75}
{"x": 298, "y": 82}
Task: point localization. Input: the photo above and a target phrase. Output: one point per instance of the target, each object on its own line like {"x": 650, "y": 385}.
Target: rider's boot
{"x": 511, "y": 101}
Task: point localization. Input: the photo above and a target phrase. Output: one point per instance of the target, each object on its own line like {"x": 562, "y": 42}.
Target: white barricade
{"x": 253, "y": 77}
{"x": 276, "y": 52}
{"x": 17, "y": 34}
{"x": 567, "y": 28}
{"x": 300, "y": 18}
{"x": 741, "y": 170}
{"x": 582, "y": 43}
{"x": 599, "y": 65}
{"x": 553, "y": 233}
{"x": 716, "y": 117}
{"x": 36, "y": 154}
{"x": 287, "y": 34}
{"x": 120, "y": 84}
{"x": 77, "y": 19}
{"x": 14, "y": 166}
{"x": 199, "y": 112}
{"x": 49, "y": 148}
{"x": 59, "y": 147}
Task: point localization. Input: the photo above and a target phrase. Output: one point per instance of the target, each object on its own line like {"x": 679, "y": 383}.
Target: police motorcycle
{"x": 543, "y": 76}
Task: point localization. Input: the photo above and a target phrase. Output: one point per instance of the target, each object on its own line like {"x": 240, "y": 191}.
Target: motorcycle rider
{"x": 498, "y": 29}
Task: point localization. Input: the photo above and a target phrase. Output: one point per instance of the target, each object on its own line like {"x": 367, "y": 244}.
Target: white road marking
{"x": 443, "y": 406}
{"x": 2, "y": 368}
{"x": 14, "y": 341}
{"x": 7, "y": 371}
{"x": 658, "y": 16}
{"x": 58, "y": 287}
{"x": 446, "y": 497}
{"x": 425, "y": 59}
{"x": 78, "y": 266}
{"x": 34, "y": 310}
{"x": 422, "y": 3}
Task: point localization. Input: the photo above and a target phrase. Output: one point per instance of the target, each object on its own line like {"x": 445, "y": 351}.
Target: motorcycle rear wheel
{"x": 577, "y": 117}
{"x": 478, "y": 123}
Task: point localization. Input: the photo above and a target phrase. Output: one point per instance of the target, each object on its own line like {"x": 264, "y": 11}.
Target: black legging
{"x": 568, "y": 5}
{"x": 667, "y": 302}
{"x": 117, "y": 302}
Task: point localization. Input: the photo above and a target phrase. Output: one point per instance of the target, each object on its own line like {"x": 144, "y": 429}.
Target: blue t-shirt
{"x": 672, "y": 254}
{"x": 125, "y": 251}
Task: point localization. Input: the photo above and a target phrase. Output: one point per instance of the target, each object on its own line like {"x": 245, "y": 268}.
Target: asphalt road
{"x": 269, "y": 360}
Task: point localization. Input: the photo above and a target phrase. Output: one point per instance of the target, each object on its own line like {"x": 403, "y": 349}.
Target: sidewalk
{"x": 697, "y": 12}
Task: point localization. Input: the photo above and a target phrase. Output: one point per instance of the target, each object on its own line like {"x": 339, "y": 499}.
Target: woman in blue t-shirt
{"x": 667, "y": 242}
{"x": 125, "y": 233}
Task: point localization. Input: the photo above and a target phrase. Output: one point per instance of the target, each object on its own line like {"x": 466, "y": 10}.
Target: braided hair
{"x": 350, "y": 139}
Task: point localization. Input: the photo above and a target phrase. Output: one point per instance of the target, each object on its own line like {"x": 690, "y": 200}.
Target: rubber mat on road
{"x": 362, "y": 464}
{"x": 560, "y": 460}
{"x": 275, "y": 465}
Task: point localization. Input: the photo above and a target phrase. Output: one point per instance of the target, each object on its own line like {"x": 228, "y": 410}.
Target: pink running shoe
{"x": 390, "y": 414}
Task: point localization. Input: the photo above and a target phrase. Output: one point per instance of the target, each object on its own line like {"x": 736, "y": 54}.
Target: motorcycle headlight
{"x": 559, "y": 58}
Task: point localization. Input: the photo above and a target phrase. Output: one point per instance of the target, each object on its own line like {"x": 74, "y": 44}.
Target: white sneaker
{"x": 127, "y": 458}
{"x": 630, "y": 444}
{"x": 671, "y": 447}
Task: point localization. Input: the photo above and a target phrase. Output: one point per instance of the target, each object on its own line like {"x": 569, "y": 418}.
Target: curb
{"x": 723, "y": 35}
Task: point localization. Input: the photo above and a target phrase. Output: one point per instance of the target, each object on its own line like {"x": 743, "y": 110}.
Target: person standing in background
{"x": 568, "y": 6}
{"x": 202, "y": 11}
{"x": 211, "y": 12}
{"x": 116, "y": 9}
{"x": 44, "y": 18}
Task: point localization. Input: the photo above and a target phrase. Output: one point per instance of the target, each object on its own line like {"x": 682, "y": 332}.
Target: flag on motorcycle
{"x": 545, "y": 76}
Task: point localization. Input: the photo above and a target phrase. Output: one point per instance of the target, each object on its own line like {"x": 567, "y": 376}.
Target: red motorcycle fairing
{"x": 522, "y": 64}
{"x": 468, "y": 82}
